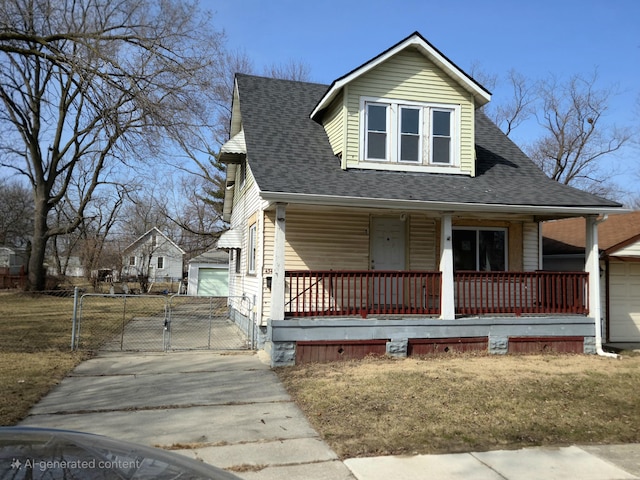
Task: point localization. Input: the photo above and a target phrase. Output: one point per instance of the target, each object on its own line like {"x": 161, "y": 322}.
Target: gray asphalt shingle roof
{"x": 290, "y": 153}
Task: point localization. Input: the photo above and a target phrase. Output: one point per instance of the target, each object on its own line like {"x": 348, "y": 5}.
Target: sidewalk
{"x": 567, "y": 463}
{"x": 231, "y": 410}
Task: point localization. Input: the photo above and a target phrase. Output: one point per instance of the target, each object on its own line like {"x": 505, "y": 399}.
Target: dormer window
{"x": 410, "y": 133}
{"x": 377, "y": 131}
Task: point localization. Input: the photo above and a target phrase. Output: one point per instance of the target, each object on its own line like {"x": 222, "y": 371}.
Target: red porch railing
{"x": 516, "y": 293}
{"x": 331, "y": 293}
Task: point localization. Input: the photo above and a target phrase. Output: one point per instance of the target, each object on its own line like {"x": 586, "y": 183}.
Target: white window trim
{"x": 388, "y": 132}
{"x": 252, "y": 250}
{"x": 491, "y": 229}
{"x": 158, "y": 261}
{"x": 393, "y": 137}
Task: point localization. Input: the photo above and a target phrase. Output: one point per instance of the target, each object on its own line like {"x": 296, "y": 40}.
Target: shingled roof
{"x": 289, "y": 155}
{"x": 568, "y": 236}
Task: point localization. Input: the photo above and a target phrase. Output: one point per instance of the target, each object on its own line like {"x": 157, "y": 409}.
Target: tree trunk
{"x": 36, "y": 279}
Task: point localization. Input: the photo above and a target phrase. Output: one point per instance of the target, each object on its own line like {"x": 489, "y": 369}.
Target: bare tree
{"x": 87, "y": 86}
{"x": 576, "y": 134}
{"x": 16, "y": 214}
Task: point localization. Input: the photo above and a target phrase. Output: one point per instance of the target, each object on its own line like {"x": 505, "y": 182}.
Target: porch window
{"x": 480, "y": 249}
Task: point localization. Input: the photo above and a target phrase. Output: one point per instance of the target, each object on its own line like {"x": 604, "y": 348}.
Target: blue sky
{"x": 536, "y": 38}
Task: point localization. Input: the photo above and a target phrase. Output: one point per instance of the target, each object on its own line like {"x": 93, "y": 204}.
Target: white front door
{"x": 387, "y": 254}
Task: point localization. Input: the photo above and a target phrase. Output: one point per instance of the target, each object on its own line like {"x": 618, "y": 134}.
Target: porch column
{"x": 277, "y": 279}
{"x": 447, "y": 298}
{"x": 592, "y": 266}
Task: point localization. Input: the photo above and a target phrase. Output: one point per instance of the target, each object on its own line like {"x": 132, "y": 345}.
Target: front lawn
{"x": 461, "y": 403}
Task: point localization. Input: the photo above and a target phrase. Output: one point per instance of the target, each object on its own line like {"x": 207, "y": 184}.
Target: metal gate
{"x": 160, "y": 323}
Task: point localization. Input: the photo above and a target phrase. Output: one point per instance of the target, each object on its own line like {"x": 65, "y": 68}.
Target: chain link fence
{"x": 159, "y": 323}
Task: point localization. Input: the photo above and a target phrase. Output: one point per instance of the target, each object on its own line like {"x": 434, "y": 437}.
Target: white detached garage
{"x": 209, "y": 274}
{"x": 619, "y": 241}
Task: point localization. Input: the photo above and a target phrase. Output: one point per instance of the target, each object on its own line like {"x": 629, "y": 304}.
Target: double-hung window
{"x": 441, "y": 137}
{"x": 377, "y": 119}
{"x": 410, "y": 133}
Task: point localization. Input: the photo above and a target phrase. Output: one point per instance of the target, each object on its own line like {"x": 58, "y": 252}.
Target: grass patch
{"x": 35, "y": 350}
{"x": 462, "y": 403}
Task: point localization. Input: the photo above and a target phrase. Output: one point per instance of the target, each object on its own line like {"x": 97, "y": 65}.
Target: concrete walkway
{"x": 230, "y": 410}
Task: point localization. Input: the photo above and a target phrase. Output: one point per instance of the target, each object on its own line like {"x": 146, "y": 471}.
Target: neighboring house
{"x": 73, "y": 267}
{"x": 13, "y": 260}
{"x": 209, "y": 274}
{"x": 386, "y": 213}
{"x": 155, "y": 256}
{"x": 619, "y": 246}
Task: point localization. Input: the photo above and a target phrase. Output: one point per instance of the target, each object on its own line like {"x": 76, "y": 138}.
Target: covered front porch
{"x": 311, "y": 303}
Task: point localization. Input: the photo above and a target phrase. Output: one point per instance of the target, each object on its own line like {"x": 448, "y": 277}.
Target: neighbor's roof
{"x": 568, "y": 236}
{"x": 213, "y": 256}
{"x": 145, "y": 235}
{"x": 291, "y": 160}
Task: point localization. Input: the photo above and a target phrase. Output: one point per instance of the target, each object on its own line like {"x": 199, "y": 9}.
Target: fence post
{"x": 74, "y": 319}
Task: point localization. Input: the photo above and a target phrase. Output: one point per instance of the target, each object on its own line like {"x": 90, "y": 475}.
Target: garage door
{"x": 624, "y": 302}
{"x": 213, "y": 282}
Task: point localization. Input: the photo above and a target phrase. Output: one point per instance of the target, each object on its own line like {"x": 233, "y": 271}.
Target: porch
{"x": 326, "y": 293}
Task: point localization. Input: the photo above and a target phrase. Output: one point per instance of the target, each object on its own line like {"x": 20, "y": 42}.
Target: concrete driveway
{"x": 229, "y": 410}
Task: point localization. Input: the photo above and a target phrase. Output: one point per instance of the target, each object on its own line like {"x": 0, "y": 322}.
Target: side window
{"x": 237, "y": 259}
{"x": 132, "y": 261}
{"x": 160, "y": 262}
{"x": 252, "y": 249}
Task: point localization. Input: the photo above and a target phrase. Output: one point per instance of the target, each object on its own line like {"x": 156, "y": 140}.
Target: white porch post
{"x": 447, "y": 299}
{"x": 592, "y": 266}
{"x": 277, "y": 279}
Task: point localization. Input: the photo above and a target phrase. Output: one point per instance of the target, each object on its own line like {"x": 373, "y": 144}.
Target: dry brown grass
{"x": 35, "y": 350}
{"x": 468, "y": 402}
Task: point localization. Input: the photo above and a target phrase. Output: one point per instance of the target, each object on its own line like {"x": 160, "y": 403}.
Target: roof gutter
{"x": 364, "y": 202}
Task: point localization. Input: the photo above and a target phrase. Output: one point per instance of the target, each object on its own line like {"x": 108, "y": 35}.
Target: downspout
{"x": 594, "y": 256}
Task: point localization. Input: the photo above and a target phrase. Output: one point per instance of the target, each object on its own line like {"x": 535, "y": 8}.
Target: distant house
{"x": 619, "y": 249}
{"x": 13, "y": 259}
{"x": 155, "y": 256}
{"x": 73, "y": 268}
{"x": 209, "y": 274}
{"x": 386, "y": 213}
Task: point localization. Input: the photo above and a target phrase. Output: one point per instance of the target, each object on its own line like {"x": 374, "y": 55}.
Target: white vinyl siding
{"x": 530, "y": 246}
{"x": 334, "y": 122}
{"x": 409, "y": 76}
{"x": 422, "y": 244}
{"x": 246, "y": 203}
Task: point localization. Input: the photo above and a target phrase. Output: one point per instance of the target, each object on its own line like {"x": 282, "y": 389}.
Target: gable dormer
{"x": 408, "y": 109}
